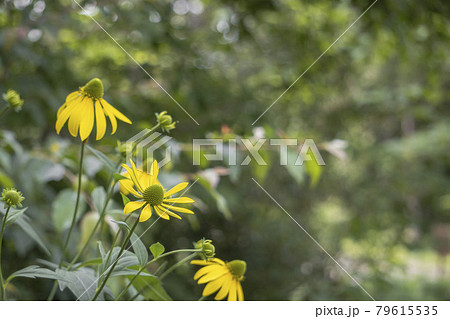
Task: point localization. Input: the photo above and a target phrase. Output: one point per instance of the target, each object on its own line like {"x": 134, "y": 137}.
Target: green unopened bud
{"x": 13, "y": 100}
{"x": 208, "y": 249}
{"x": 237, "y": 268}
{"x": 165, "y": 121}
{"x": 94, "y": 88}
{"x": 12, "y": 197}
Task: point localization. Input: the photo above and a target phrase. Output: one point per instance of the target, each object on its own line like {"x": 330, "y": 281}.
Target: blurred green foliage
{"x": 377, "y": 104}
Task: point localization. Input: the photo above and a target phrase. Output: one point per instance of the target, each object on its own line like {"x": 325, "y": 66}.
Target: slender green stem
{"x": 178, "y": 264}
{"x": 111, "y": 269}
{"x": 74, "y": 219}
{"x": 77, "y": 202}
{"x": 2, "y": 284}
{"x": 151, "y": 261}
{"x": 116, "y": 236}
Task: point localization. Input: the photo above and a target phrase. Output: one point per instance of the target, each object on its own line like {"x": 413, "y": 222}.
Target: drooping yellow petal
{"x": 214, "y": 275}
{"x": 137, "y": 173}
{"x": 207, "y": 269}
{"x": 111, "y": 116}
{"x": 100, "y": 120}
{"x": 179, "y": 200}
{"x": 161, "y": 213}
{"x": 176, "y": 189}
{"x": 213, "y": 286}
{"x": 154, "y": 172}
{"x": 232, "y": 293}
{"x": 112, "y": 110}
{"x": 240, "y": 292}
{"x": 75, "y": 118}
{"x": 65, "y": 111}
{"x": 178, "y": 209}
{"x": 209, "y": 262}
{"x": 87, "y": 122}
{"x": 72, "y": 96}
{"x": 126, "y": 187}
{"x": 223, "y": 292}
{"x": 165, "y": 210}
{"x": 146, "y": 213}
{"x": 132, "y": 206}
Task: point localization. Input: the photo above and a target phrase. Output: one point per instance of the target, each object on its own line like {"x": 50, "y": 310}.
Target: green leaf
{"x": 63, "y": 207}
{"x": 139, "y": 249}
{"x": 13, "y": 215}
{"x": 296, "y": 171}
{"x": 34, "y": 272}
{"x": 22, "y": 222}
{"x": 90, "y": 262}
{"x": 99, "y": 198}
{"x": 102, "y": 157}
{"x": 81, "y": 282}
{"x": 150, "y": 287}
{"x": 126, "y": 260}
{"x": 87, "y": 225}
{"x": 124, "y": 199}
{"x": 313, "y": 169}
{"x": 157, "y": 249}
{"x": 121, "y": 224}
{"x": 118, "y": 177}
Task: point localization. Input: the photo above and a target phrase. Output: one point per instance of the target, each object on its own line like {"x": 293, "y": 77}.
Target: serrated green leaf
{"x": 157, "y": 249}
{"x": 34, "y": 272}
{"x": 81, "y": 282}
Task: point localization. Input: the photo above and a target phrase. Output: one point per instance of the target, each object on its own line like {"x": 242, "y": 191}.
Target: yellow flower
{"x": 84, "y": 106}
{"x": 221, "y": 276}
{"x": 151, "y": 194}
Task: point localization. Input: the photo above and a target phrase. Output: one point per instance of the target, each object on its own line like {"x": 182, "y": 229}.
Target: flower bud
{"x": 165, "y": 121}
{"x": 208, "y": 249}
{"x": 13, "y": 99}
{"x": 12, "y": 197}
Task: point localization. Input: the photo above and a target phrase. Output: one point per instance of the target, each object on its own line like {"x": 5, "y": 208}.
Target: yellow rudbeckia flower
{"x": 150, "y": 194}
{"x": 84, "y": 106}
{"x": 221, "y": 276}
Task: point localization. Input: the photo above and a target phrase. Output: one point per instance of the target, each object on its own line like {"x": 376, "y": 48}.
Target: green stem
{"x": 178, "y": 264}
{"x": 111, "y": 269}
{"x": 116, "y": 236}
{"x": 74, "y": 219}
{"x": 2, "y": 284}
{"x": 151, "y": 261}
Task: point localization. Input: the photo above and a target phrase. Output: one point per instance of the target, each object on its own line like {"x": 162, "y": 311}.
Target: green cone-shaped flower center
{"x": 237, "y": 267}
{"x": 154, "y": 195}
{"x": 94, "y": 88}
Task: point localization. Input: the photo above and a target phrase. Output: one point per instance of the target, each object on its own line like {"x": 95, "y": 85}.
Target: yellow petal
{"x": 168, "y": 212}
{"x": 176, "y": 189}
{"x": 209, "y": 262}
{"x": 133, "y": 176}
{"x": 111, "y": 116}
{"x": 213, "y": 286}
{"x": 144, "y": 179}
{"x": 87, "y": 122}
{"x": 223, "y": 292}
{"x": 115, "y": 112}
{"x": 232, "y": 291}
{"x": 154, "y": 172}
{"x": 146, "y": 213}
{"x": 65, "y": 111}
{"x": 132, "y": 206}
{"x": 240, "y": 292}
{"x": 161, "y": 214}
{"x": 207, "y": 269}
{"x": 72, "y": 96}
{"x": 213, "y": 275}
{"x": 178, "y": 209}
{"x": 100, "y": 120}
{"x": 75, "y": 118}
{"x": 179, "y": 200}
{"x": 126, "y": 187}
